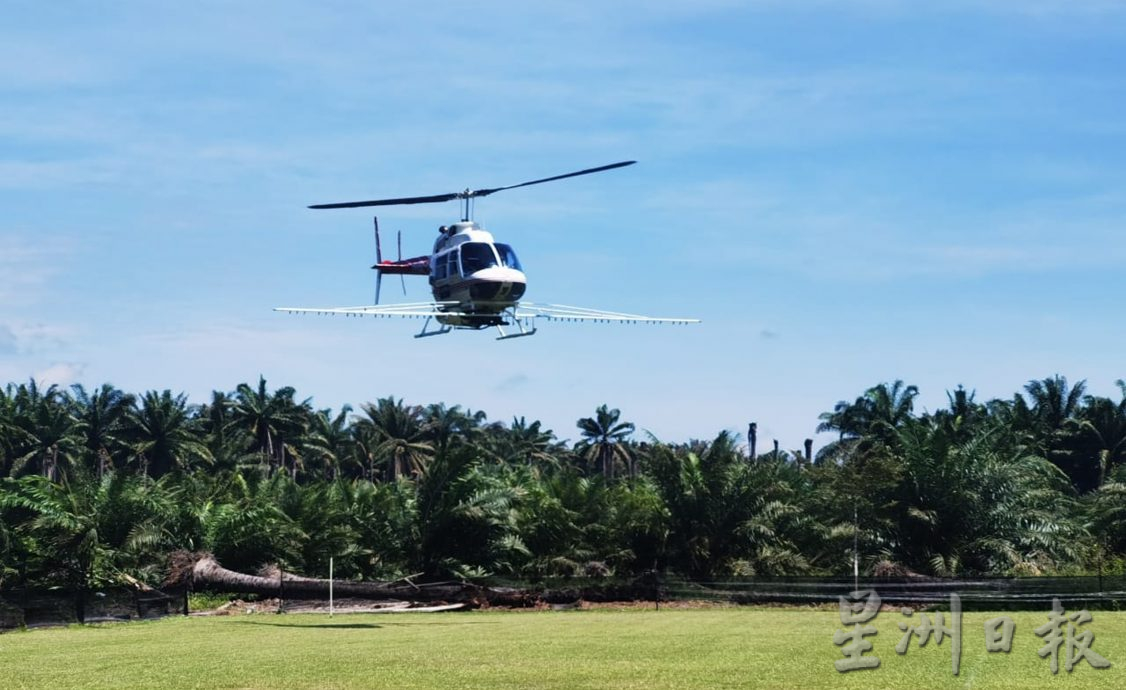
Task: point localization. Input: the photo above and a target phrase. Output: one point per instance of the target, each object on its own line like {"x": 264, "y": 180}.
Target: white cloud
{"x": 30, "y": 338}
{"x": 60, "y": 373}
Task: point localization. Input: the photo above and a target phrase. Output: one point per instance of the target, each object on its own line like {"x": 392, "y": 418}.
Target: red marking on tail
{"x": 418, "y": 266}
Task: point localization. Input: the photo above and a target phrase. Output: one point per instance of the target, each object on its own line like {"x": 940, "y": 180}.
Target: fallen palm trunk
{"x": 207, "y": 574}
{"x": 203, "y": 573}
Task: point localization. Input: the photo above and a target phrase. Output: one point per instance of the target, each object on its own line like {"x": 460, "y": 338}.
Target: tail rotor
{"x": 379, "y": 261}
{"x": 402, "y": 280}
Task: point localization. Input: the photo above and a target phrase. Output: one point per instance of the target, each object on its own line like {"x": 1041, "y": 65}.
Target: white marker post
{"x": 330, "y": 586}
{"x": 855, "y": 550}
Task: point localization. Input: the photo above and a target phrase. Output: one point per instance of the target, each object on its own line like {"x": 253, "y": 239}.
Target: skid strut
{"x": 524, "y": 331}
{"x": 425, "y": 333}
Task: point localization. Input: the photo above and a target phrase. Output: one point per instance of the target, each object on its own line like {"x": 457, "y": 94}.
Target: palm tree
{"x": 1051, "y": 418}
{"x": 964, "y": 416}
{"x": 11, "y": 435}
{"x": 465, "y": 518}
{"x": 555, "y": 521}
{"x": 526, "y": 444}
{"x": 230, "y": 446}
{"x": 396, "y": 433}
{"x": 1097, "y": 442}
{"x": 93, "y": 531}
{"x": 872, "y": 418}
{"x": 163, "y": 434}
{"x": 271, "y": 420}
{"x": 1105, "y": 510}
{"x": 101, "y": 416}
{"x": 447, "y": 425}
{"x": 252, "y": 532}
{"x": 605, "y": 437}
{"x": 979, "y": 506}
{"x": 381, "y": 517}
{"x": 726, "y": 515}
{"x": 328, "y": 441}
{"x": 892, "y": 405}
{"x": 1053, "y": 404}
{"x": 47, "y": 440}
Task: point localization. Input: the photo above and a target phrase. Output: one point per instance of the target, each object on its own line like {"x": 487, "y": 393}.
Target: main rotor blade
{"x": 438, "y": 198}
{"x": 486, "y": 192}
{"x": 467, "y": 194}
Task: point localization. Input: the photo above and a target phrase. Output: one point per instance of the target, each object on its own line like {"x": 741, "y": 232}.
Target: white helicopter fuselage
{"x": 476, "y": 281}
{"x": 481, "y": 276}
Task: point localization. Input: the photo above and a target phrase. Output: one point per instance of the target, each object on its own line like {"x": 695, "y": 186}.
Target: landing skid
{"x": 524, "y": 332}
{"x": 525, "y": 325}
{"x": 425, "y": 333}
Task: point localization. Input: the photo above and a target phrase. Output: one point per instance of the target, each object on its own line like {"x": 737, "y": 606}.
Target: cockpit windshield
{"x": 476, "y": 256}
{"x": 508, "y": 257}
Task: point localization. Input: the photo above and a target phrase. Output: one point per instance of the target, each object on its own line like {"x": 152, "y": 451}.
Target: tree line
{"x": 98, "y": 487}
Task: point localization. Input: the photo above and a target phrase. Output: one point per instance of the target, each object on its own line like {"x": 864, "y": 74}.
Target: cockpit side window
{"x": 508, "y": 257}
{"x": 476, "y": 256}
{"x": 451, "y": 264}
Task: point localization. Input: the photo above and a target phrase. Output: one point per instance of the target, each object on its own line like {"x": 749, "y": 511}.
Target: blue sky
{"x": 846, "y": 193}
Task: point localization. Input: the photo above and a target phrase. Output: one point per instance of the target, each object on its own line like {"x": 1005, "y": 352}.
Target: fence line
{"x": 986, "y": 592}
{"x": 31, "y": 608}
{"x": 39, "y": 607}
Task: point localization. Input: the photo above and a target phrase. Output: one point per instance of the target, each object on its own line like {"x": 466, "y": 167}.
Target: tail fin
{"x": 402, "y": 280}
{"x": 392, "y": 266}
{"x": 378, "y": 260}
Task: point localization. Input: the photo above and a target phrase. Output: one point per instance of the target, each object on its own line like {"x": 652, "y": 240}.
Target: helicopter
{"x": 476, "y": 282}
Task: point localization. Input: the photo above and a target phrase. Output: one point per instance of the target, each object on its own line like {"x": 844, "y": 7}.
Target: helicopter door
{"x": 453, "y": 270}
{"x": 445, "y": 274}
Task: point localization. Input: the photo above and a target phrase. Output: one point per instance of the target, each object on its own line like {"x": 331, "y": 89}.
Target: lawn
{"x": 708, "y": 648}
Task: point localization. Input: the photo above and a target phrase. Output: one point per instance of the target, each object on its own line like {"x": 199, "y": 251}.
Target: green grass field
{"x": 708, "y": 648}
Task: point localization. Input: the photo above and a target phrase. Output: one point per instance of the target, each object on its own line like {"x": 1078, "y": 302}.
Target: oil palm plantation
{"x": 85, "y": 532}
{"x": 975, "y": 488}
